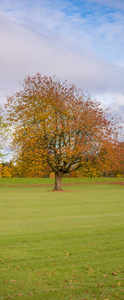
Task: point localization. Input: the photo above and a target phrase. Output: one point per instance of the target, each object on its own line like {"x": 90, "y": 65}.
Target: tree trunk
{"x": 58, "y": 181}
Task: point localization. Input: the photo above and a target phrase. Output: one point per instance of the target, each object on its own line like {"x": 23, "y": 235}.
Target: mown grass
{"x": 61, "y": 245}
{"x": 50, "y": 181}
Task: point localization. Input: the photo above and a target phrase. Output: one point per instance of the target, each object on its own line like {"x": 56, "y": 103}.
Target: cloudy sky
{"x": 78, "y": 40}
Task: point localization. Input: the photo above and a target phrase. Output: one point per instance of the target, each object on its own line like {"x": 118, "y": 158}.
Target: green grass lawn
{"x": 62, "y": 245}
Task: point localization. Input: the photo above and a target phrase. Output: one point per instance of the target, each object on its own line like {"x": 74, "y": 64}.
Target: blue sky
{"x": 81, "y": 41}
{"x": 78, "y": 40}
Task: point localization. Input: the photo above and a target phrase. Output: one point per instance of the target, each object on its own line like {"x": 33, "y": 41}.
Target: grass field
{"x": 62, "y": 245}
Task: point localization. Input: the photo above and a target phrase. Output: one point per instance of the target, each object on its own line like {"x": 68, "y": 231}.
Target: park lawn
{"x": 61, "y": 245}
{"x": 18, "y": 182}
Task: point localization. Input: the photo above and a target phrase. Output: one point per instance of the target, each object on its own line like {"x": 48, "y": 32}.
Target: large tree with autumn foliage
{"x": 65, "y": 125}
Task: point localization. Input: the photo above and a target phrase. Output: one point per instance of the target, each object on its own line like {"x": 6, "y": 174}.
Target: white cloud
{"x": 55, "y": 39}
{"x": 62, "y": 39}
{"x": 119, "y": 99}
{"x": 115, "y": 99}
{"x": 116, "y": 106}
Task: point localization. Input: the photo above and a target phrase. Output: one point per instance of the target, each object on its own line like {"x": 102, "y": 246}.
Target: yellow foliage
{"x": 6, "y": 172}
{"x": 119, "y": 175}
{"x": 0, "y": 171}
{"x": 52, "y": 175}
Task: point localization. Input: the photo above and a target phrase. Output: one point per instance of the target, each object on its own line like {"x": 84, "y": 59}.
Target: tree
{"x": 108, "y": 162}
{"x": 3, "y": 133}
{"x": 111, "y": 159}
{"x": 30, "y": 161}
{"x": 66, "y": 125}
{"x": 6, "y": 172}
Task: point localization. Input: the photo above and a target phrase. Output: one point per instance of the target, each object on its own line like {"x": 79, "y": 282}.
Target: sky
{"x": 81, "y": 41}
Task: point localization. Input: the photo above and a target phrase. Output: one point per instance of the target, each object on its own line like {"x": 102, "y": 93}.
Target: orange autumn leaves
{"x": 56, "y": 125}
